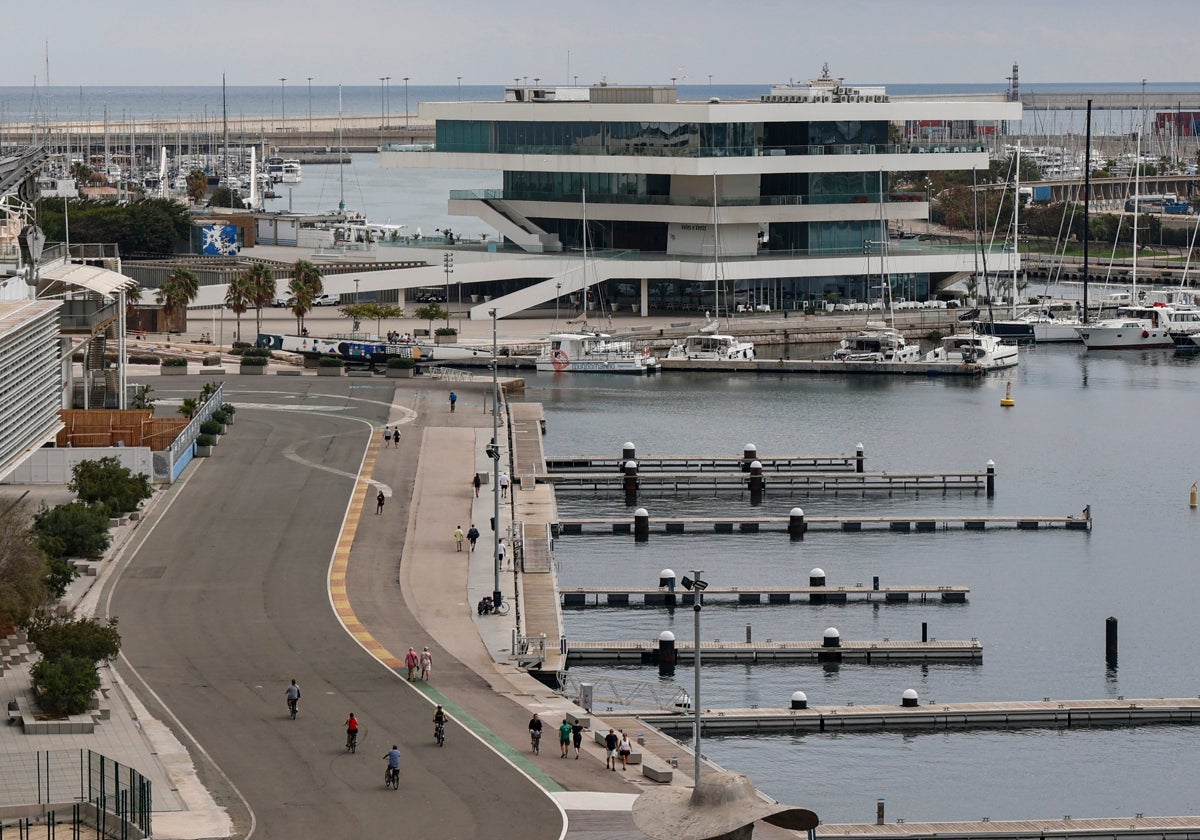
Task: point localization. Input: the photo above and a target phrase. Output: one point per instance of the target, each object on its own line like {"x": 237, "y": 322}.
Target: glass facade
{"x": 569, "y": 186}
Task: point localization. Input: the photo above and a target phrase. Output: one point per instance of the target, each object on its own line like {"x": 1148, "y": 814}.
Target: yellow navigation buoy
{"x": 1192, "y": 500}
{"x": 1007, "y": 401}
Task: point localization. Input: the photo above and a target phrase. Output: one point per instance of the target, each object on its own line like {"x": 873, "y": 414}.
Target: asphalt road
{"x": 226, "y": 601}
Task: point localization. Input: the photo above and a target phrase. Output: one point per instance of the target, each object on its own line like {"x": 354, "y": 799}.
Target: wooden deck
{"x": 625, "y": 596}
{"x": 885, "y": 652}
{"x": 847, "y": 524}
{"x": 940, "y": 716}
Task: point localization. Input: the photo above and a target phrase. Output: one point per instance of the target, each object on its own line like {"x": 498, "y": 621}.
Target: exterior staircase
{"x": 14, "y": 650}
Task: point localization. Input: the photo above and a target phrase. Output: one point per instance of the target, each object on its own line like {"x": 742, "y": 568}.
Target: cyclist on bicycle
{"x": 535, "y": 731}
{"x": 293, "y": 697}
{"x": 439, "y": 720}
{"x": 351, "y": 731}
{"x": 393, "y": 764}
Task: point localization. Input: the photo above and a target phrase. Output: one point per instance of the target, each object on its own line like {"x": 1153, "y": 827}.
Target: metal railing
{"x": 689, "y": 201}
{"x": 615, "y": 147}
{"x": 626, "y": 693}
{"x": 528, "y": 651}
{"x": 119, "y": 795}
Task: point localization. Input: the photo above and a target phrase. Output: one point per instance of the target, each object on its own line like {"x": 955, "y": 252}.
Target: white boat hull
{"x": 1124, "y": 338}
{"x": 638, "y": 365}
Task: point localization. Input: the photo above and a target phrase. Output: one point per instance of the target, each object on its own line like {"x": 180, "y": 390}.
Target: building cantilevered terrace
{"x": 794, "y": 190}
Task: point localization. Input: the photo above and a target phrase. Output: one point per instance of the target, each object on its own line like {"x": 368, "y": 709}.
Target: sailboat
{"x": 709, "y": 344}
{"x": 1134, "y": 327}
{"x": 1014, "y": 331}
{"x": 879, "y": 342}
{"x": 590, "y": 351}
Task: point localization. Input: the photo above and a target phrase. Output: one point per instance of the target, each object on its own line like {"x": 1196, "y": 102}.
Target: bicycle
{"x": 352, "y": 742}
{"x": 294, "y": 708}
{"x": 392, "y": 779}
{"x": 502, "y": 609}
{"x": 535, "y": 740}
{"x": 439, "y": 733}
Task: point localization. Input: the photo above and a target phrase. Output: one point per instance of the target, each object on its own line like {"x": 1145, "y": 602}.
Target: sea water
{"x": 1110, "y": 430}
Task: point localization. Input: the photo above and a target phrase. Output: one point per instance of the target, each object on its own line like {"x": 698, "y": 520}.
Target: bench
{"x": 288, "y": 372}
{"x": 583, "y": 721}
{"x": 662, "y": 775}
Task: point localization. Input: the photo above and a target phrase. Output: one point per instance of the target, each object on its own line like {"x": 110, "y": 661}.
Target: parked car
{"x": 326, "y": 300}
{"x": 281, "y": 302}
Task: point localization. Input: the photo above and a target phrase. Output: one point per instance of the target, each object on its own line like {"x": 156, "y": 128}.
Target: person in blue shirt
{"x": 453, "y": 400}
{"x": 393, "y": 763}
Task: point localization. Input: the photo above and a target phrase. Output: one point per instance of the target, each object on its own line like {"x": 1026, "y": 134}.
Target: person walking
{"x": 564, "y": 738}
{"x": 453, "y": 400}
{"x": 387, "y": 436}
{"x": 577, "y": 736}
{"x": 473, "y": 536}
{"x": 504, "y": 486}
{"x": 501, "y": 548}
{"x": 458, "y": 537}
{"x": 379, "y": 503}
{"x": 624, "y": 748}
{"x": 476, "y": 483}
{"x": 610, "y": 749}
{"x": 411, "y": 660}
{"x": 426, "y": 663}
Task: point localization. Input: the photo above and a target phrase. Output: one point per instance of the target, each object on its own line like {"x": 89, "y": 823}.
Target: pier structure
{"x": 882, "y": 652}
{"x": 844, "y": 524}
{"x": 626, "y": 596}
{"x": 1057, "y": 714}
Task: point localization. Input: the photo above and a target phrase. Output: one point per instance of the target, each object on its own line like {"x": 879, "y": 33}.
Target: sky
{"x": 254, "y": 42}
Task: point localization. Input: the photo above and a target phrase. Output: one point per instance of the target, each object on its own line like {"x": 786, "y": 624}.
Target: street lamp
{"x": 387, "y": 108}
{"x": 460, "y": 88}
{"x": 282, "y": 104}
{"x": 310, "y": 78}
{"x": 448, "y": 267}
{"x": 697, "y": 586}
{"x": 557, "y": 298}
{"x": 494, "y": 452}
{"x": 356, "y": 291}
{"x": 406, "y": 102}
{"x": 382, "y": 115}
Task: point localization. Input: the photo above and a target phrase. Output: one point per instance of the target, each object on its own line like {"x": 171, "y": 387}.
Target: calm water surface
{"x": 1116, "y": 431}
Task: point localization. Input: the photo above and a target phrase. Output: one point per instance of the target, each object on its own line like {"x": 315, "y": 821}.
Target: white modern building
{"x": 791, "y": 193}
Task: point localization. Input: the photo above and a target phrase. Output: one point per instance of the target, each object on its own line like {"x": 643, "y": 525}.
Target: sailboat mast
{"x": 341, "y": 161}
{"x": 583, "y": 215}
{"x": 225, "y": 133}
{"x": 717, "y": 259}
{"x": 1087, "y": 198}
{"x": 1016, "y": 229}
{"x": 1137, "y": 186}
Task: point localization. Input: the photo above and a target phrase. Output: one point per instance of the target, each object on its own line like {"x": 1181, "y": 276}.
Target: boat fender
{"x": 646, "y": 351}
{"x": 1145, "y": 333}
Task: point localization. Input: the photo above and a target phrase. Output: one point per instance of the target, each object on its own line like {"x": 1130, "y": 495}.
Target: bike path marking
{"x": 345, "y": 613}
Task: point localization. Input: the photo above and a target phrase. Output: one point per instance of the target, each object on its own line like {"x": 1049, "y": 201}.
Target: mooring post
{"x": 799, "y": 700}
{"x": 879, "y": 812}
{"x": 667, "y": 578}
{"x": 749, "y": 634}
{"x": 628, "y": 453}
{"x": 991, "y": 478}
{"x": 631, "y": 482}
{"x": 858, "y": 458}
{"x": 816, "y": 578}
{"x": 831, "y": 646}
{"x": 641, "y": 525}
{"x": 666, "y": 653}
{"x": 924, "y": 631}
{"x": 909, "y": 699}
{"x": 757, "y": 482}
{"x": 749, "y": 455}
{"x": 1110, "y": 641}
{"x": 796, "y": 526}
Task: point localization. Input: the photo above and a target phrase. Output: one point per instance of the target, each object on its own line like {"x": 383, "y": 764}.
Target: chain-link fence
{"x": 56, "y": 780}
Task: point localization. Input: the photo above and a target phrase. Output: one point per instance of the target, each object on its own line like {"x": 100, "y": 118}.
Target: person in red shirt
{"x": 351, "y": 732}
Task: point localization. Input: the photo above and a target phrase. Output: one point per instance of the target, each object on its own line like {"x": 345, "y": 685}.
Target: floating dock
{"x": 883, "y": 652}
{"x": 625, "y": 596}
{"x": 706, "y": 463}
{"x": 1058, "y": 714}
{"x": 823, "y": 483}
{"x": 1137, "y": 827}
{"x": 845, "y": 524}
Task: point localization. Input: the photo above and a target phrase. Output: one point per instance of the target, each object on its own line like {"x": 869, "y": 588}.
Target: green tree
{"x": 225, "y": 197}
{"x": 237, "y": 298}
{"x": 67, "y": 685}
{"x": 188, "y": 407}
{"x": 305, "y": 285}
{"x": 197, "y": 185}
{"x": 379, "y": 311}
{"x": 149, "y": 226}
{"x": 177, "y": 291}
{"x": 432, "y": 312}
{"x": 261, "y": 283}
{"x": 107, "y": 482}
{"x": 87, "y": 638}
{"x": 72, "y": 530}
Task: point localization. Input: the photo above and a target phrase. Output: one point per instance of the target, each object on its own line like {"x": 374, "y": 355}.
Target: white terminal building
{"x": 791, "y": 193}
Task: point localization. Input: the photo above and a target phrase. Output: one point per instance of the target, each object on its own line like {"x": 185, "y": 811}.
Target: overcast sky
{"x": 191, "y": 42}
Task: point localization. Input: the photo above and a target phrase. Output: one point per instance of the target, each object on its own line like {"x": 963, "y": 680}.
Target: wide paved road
{"x": 227, "y": 600}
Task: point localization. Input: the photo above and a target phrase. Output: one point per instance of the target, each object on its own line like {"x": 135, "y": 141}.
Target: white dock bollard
{"x": 909, "y": 699}
{"x": 799, "y": 700}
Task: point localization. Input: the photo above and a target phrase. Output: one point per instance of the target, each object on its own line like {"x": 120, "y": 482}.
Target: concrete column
{"x": 645, "y": 297}
{"x": 403, "y": 296}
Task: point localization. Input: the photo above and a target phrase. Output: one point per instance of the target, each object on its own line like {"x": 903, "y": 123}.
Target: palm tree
{"x": 177, "y": 291}
{"x": 304, "y": 287}
{"x": 197, "y": 184}
{"x": 262, "y": 289}
{"x": 237, "y": 298}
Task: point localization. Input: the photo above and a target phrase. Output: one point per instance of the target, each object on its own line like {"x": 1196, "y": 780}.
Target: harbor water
{"x": 1114, "y": 431}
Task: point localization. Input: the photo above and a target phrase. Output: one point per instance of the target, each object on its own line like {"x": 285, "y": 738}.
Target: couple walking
{"x": 423, "y": 661}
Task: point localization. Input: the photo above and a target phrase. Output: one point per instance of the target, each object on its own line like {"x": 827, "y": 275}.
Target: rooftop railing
{"x": 617, "y": 148}
{"x": 688, "y": 201}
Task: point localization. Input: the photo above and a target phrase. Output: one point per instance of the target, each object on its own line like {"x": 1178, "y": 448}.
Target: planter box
{"x": 399, "y": 373}
{"x": 329, "y": 371}
{"x": 445, "y": 339}
{"x": 171, "y": 370}
{"x": 224, "y": 428}
{"x": 203, "y": 451}
{"x": 252, "y": 370}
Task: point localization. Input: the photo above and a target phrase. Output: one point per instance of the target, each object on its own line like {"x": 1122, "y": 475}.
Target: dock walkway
{"x": 834, "y": 483}
{"x": 624, "y": 596}
{"x": 884, "y": 652}
{"x": 940, "y": 716}
{"x": 1136, "y": 827}
{"x": 845, "y": 524}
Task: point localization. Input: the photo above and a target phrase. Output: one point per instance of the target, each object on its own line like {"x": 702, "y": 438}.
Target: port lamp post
{"x": 696, "y": 585}
{"x": 448, "y": 267}
{"x": 282, "y": 104}
{"x": 493, "y": 452}
{"x": 406, "y": 103}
